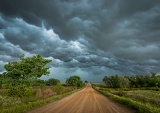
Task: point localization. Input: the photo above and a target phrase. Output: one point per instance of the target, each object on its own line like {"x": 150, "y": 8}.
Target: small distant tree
{"x": 52, "y": 82}
{"x": 74, "y": 81}
{"x": 27, "y": 68}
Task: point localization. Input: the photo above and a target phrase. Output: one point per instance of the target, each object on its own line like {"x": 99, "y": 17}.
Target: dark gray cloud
{"x": 88, "y": 37}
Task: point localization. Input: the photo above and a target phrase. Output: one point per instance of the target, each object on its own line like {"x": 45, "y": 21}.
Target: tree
{"x": 112, "y": 81}
{"x": 153, "y": 74}
{"x": 52, "y": 82}
{"x": 116, "y": 81}
{"x": 27, "y": 68}
{"x": 124, "y": 82}
{"x": 133, "y": 81}
{"x": 74, "y": 81}
{"x": 108, "y": 81}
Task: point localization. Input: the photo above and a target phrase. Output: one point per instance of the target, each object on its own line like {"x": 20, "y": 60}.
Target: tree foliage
{"x": 116, "y": 81}
{"x": 27, "y": 68}
{"x": 74, "y": 81}
{"x": 52, "y": 82}
{"x": 144, "y": 81}
{"x": 132, "y": 81}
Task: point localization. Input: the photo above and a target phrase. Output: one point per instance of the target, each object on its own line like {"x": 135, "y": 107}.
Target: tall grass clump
{"x": 6, "y": 102}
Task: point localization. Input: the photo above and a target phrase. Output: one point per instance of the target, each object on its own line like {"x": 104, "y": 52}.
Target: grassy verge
{"x": 136, "y": 105}
{"x": 27, "y": 107}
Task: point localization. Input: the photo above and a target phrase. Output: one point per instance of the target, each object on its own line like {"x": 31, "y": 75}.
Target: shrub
{"x": 121, "y": 93}
{"x": 6, "y": 102}
{"x": 58, "y": 89}
{"x": 19, "y": 91}
{"x": 52, "y": 82}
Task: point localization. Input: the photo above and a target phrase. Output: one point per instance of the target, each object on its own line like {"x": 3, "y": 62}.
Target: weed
{"x": 6, "y": 101}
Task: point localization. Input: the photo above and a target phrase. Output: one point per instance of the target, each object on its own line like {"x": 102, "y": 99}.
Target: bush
{"x": 19, "y": 91}
{"x": 6, "y": 102}
{"x": 52, "y": 82}
{"x": 58, "y": 89}
{"x": 121, "y": 93}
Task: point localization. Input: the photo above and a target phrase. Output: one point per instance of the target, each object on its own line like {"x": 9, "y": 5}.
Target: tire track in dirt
{"x": 85, "y": 101}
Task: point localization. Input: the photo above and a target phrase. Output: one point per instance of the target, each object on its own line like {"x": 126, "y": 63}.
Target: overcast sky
{"x": 89, "y": 38}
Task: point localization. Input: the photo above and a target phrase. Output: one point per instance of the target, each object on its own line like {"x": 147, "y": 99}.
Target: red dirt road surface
{"x": 85, "y": 101}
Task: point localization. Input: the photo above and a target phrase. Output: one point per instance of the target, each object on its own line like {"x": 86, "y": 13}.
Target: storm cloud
{"x": 86, "y": 37}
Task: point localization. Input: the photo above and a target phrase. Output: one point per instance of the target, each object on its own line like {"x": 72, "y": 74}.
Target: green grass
{"x": 139, "y": 106}
{"x": 145, "y": 96}
{"x": 100, "y": 84}
{"x": 63, "y": 83}
{"x": 151, "y": 97}
{"x": 147, "y": 93}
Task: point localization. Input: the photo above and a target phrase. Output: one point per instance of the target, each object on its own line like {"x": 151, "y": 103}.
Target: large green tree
{"x": 27, "y": 68}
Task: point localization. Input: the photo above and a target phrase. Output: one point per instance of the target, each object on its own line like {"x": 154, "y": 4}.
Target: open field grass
{"x": 100, "y": 84}
{"x": 145, "y": 96}
{"x": 143, "y": 101}
{"x": 146, "y": 93}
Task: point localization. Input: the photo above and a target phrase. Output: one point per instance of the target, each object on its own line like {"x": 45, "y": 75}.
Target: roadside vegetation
{"x": 141, "y": 93}
{"x": 74, "y": 81}
{"x": 21, "y": 88}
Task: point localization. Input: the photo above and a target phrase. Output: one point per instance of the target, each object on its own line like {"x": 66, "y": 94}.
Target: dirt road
{"x": 84, "y": 101}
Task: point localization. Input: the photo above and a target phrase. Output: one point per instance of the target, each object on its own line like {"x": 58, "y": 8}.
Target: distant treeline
{"x": 134, "y": 81}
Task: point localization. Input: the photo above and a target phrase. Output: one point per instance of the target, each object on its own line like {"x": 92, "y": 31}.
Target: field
{"x": 141, "y": 99}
